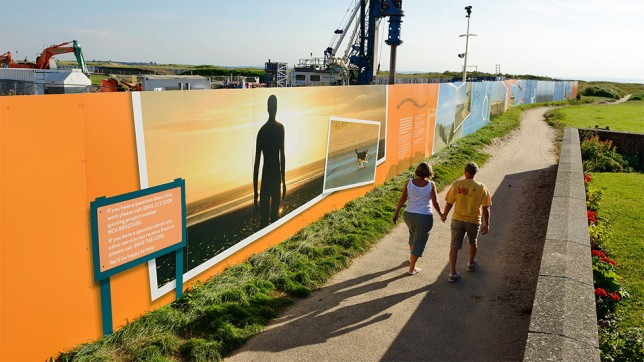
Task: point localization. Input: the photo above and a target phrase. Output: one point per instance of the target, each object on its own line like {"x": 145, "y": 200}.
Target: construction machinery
{"x": 357, "y": 64}
{"x": 117, "y": 83}
{"x": 45, "y": 59}
{"x": 5, "y": 60}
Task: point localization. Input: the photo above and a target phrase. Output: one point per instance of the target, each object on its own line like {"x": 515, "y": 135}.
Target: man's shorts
{"x": 459, "y": 229}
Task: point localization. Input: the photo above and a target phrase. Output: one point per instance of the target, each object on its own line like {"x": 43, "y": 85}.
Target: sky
{"x": 565, "y": 39}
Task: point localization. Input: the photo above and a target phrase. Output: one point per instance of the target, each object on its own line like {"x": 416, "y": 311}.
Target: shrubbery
{"x": 601, "y": 156}
{"x": 621, "y": 344}
{"x": 600, "y": 92}
{"x": 637, "y": 97}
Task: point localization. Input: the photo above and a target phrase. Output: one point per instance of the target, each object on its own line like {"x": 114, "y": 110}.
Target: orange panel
{"x": 411, "y": 120}
{"x": 62, "y": 151}
{"x": 43, "y": 273}
{"x": 112, "y": 169}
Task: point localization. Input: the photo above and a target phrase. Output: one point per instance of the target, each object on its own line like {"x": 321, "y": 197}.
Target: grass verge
{"x": 621, "y": 207}
{"x": 623, "y": 117}
{"x": 217, "y": 316}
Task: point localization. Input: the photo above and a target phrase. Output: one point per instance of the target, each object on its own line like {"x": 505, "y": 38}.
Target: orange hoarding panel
{"x": 44, "y": 280}
{"x": 412, "y": 117}
{"x": 60, "y": 152}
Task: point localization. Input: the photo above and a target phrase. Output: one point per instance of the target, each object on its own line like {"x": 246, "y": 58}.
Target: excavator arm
{"x": 5, "y": 60}
{"x": 42, "y": 62}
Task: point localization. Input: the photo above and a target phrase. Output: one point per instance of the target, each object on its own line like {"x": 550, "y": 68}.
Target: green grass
{"x": 622, "y": 337}
{"x": 617, "y": 90}
{"x": 623, "y": 117}
{"x": 621, "y": 207}
{"x": 217, "y": 316}
{"x": 97, "y": 78}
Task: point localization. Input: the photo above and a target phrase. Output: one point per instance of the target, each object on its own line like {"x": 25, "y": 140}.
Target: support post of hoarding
{"x": 106, "y": 306}
{"x": 179, "y": 272}
{"x": 170, "y": 200}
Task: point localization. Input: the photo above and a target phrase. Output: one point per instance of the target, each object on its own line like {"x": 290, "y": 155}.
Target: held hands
{"x": 443, "y": 217}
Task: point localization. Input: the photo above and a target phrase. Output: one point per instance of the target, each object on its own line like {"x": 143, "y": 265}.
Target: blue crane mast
{"x": 362, "y": 56}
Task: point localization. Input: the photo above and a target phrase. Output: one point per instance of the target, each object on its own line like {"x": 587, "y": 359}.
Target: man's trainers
{"x": 453, "y": 277}
{"x": 472, "y": 266}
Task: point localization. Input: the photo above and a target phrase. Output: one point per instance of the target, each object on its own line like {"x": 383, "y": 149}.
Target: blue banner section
{"x": 464, "y": 108}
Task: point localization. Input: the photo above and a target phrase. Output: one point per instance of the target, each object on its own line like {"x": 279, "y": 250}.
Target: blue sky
{"x": 572, "y": 39}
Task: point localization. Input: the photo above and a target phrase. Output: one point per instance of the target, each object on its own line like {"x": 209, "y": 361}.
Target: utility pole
{"x": 467, "y": 38}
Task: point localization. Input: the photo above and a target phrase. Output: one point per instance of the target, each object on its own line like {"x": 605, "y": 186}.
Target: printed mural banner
{"x": 110, "y": 144}
{"x": 454, "y": 108}
{"x": 252, "y": 159}
{"x": 412, "y": 117}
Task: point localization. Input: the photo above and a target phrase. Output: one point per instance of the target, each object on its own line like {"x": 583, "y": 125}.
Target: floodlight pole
{"x": 467, "y": 38}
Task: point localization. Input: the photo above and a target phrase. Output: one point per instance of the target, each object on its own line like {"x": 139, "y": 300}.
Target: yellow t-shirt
{"x": 468, "y": 196}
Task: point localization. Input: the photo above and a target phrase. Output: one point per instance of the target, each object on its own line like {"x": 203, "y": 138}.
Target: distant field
{"x": 624, "y": 117}
{"x": 611, "y": 89}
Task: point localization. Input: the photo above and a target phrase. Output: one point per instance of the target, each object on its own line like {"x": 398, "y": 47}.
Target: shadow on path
{"x": 486, "y": 314}
{"x": 338, "y": 312}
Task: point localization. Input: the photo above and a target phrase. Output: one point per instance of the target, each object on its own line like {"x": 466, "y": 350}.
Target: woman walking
{"x": 420, "y": 195}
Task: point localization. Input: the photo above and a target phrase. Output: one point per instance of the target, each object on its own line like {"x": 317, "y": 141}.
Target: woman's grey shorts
{"x": 419, "y": 226}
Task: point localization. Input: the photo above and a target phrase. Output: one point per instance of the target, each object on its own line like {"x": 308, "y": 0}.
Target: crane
{"x": 363, "y": 56}
{"x": 340, "y": 33}
{"x": 357, "y": 64}
{"x": 360, "y": 55}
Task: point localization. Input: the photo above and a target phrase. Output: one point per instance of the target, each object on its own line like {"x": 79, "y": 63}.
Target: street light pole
{"x": 467, "y": 38}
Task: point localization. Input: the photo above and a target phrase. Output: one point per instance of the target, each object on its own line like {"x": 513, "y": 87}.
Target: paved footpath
{"x": 374, "y": 311}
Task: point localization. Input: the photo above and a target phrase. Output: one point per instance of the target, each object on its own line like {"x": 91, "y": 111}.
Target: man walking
{"x": 470, "y": 199}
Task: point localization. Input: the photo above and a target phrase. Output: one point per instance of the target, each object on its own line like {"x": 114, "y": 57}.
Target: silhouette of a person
{"x": 270, "y": 144}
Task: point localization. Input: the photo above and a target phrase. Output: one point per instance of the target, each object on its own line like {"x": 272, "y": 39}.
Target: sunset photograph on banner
{"x": 252, "y": 160}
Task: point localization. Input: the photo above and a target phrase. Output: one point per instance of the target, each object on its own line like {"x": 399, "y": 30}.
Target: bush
{"x": 598, "y": 235}
{"x": 596, "y": 91}
{"x": 621, "y": 345}
{"x": 593, "y": 199}
{"x": 601, "y": 156}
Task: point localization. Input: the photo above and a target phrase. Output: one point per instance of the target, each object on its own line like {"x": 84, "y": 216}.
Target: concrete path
{"x": 374, "y": 311}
